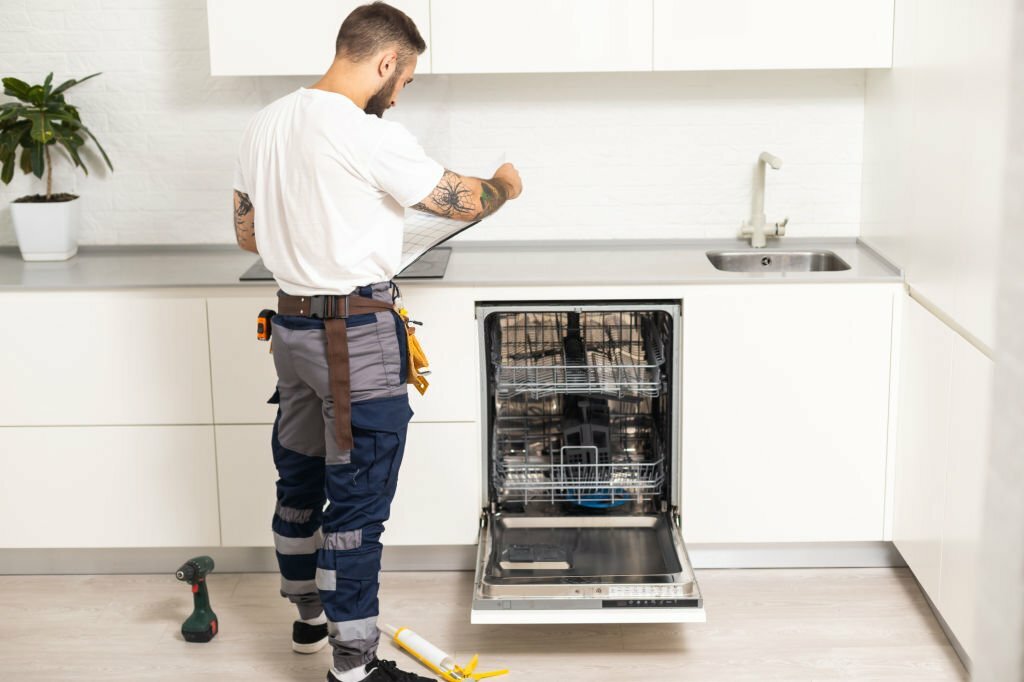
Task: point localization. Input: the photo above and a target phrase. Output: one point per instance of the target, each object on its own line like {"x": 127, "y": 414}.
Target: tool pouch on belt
{"x": 418, "y": 364}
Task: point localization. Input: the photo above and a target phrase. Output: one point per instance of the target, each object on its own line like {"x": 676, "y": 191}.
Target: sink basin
{"x": 777, "y": 261}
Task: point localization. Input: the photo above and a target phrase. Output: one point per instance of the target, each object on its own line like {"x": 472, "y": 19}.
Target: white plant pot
{"x": 47, "y": 231}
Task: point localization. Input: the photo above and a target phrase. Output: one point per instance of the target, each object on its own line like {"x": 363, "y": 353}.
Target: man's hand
{"x": 510, "y": 176}
{"x": 245, "y": 230}
{"x": 466, "y": 198}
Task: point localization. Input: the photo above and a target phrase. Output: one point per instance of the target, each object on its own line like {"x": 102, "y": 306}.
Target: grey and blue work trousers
{"x": 329, "y": 556}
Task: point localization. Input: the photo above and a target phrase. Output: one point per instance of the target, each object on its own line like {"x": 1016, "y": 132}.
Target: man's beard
{"x": 380, "y": 100}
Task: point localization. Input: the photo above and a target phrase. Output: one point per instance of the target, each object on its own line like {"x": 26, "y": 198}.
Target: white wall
{"x": 1001, "y": 573}
{"x": 651, "y": 155}
{"x": 934, "y": 153}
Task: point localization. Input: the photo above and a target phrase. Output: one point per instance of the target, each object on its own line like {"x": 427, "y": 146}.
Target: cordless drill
{"x": 201, "y": 626}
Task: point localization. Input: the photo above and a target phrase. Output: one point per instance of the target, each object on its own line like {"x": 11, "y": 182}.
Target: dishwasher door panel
{"x": 584, "y": 569}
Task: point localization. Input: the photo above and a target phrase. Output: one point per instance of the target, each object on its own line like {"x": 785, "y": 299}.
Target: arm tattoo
{"x": 492, "y": 196}
{"x": 244, "y": 205}
{"x": 244, "y": 225}
{"x": 450, "y": 196}
{"x": 452, "y": 199}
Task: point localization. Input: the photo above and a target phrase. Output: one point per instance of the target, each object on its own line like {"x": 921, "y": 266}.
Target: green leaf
{"x": 8, "y": 112}
{"x": 36, "y": 96}
{"x": 16, "y": 88}
{"x": 42, "y": 130}
{"x": 104, "y": 153}
{"x": 71, "y": 83}
{"x": 7, "y": 174}
{"x": 72, "y": 150}
{"x": 26, "y": 161}
{"x": 47, "y": 85}
{"x": 38, "y": 161}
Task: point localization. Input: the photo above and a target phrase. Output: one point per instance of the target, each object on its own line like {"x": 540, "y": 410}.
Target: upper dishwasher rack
{"x": 614, "y": 354}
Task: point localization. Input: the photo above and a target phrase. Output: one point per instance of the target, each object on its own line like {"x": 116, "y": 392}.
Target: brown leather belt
{"x": 333, "y": 310}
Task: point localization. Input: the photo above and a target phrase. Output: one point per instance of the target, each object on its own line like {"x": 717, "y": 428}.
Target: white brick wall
{"x": 652, "y": 155}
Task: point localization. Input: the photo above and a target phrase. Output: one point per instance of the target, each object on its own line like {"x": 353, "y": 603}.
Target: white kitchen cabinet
{"x": 448, "y": 336}
{"x": 439, "y": 496}
{"x": 438, "y": 499}
{"x": 781, "y": 34}
{"x": 272, "y": 38}
{"x": 942, "y": 451}
{"x": 104, "y": 358}
{"x": 540, "y": 36}
{"x": 98, "y": 486}
{"x": 922, "y": 442}
{"x": 785, "y": 413}
{"x": 243, "y": 371}
{"x": 245, "y": 481}
{"x": 970, "y": 403}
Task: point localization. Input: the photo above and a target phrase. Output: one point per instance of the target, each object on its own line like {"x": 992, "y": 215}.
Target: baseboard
{"x": 424, "y": 558}
{"x": 87, "y": 561}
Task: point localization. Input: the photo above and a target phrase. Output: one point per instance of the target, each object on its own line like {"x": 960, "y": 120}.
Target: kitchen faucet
{"x": 755, "y": 227}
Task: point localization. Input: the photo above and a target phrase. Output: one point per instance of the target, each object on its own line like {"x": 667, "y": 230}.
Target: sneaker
{"x": 386, "y": 671}
{"x": 308, "y": 639}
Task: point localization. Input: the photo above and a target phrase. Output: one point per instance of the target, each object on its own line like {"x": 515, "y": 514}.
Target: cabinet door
{"x": 101, "y": 486}
{"x": 272, "y": 38}
{"x": 243, "y": 371}
{"x": 922, "y": 443}
{"x": 245, "y": 480}
{"x": 781, "y": 34}
{"x": 439, "y": 496}
{"x": 785, "y": 413}
{"x": 541, "y": 36}
{"x": 104, "y": 358}
{"x": 448, "y": 336}
{"x": 970, "y": 405}
{"x": 438, "y": 499}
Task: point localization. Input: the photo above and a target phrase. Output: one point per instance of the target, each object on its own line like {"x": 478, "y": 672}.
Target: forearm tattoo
{"x": 453, "y": 199}
{"x": 450, "y": 197}
{"x": 244, "y": 226}
{"x": 492, "y": 196}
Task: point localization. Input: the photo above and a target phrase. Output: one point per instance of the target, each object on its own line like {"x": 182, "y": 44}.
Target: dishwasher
{"x": 580, "y": 410}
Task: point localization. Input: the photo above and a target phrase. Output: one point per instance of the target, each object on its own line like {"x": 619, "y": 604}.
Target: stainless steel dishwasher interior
{"x": 582, "y": 455}
{"x": 777, "y": 261}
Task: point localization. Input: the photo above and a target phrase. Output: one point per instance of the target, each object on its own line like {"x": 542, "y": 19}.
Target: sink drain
{"x": 766, "y": 261}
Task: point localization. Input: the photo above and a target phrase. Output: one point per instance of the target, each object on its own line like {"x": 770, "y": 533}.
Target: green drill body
{"x": 201, "y": 626}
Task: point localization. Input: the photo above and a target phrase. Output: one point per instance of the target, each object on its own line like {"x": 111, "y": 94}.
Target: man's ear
{"x": 387, "y": 64}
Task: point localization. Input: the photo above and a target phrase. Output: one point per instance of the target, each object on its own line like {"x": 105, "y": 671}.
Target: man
{"x": 320, "y": 190}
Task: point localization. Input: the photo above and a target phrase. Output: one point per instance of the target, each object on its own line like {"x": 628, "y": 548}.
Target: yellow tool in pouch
{"x": 417, "y": 359}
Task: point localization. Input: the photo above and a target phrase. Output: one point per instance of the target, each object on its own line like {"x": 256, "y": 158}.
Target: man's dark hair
{"x": 372, "y": 28}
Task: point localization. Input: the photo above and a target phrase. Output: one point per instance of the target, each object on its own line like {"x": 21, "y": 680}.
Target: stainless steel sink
{"x": 777, "y": 261}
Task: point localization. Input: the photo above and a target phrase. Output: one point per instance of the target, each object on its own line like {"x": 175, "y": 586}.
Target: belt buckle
{"x": 316, "y": 306}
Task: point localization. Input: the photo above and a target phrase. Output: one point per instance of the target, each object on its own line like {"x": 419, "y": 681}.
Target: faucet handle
{"x": 780, "y": 228}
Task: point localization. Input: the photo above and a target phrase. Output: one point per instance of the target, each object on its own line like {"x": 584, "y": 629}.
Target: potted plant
{"x": 46, "y": 225}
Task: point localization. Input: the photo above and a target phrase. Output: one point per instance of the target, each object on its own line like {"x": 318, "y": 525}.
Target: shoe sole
{"x": 309, "y": 648}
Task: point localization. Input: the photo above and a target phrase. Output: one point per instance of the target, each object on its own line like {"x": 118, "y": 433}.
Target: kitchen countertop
{"x": 472, "y": 264}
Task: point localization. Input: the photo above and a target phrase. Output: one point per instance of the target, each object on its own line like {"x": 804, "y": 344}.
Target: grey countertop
{"x": 471, "y": 264}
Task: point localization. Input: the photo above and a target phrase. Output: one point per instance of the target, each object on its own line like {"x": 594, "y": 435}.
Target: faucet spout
{"x": 755, "y": 227}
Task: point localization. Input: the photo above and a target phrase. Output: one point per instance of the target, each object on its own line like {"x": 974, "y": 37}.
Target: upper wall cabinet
{"x": 540, "y": 36}
{"x": 274, "y": 38}
{"x": 775, "y": 34}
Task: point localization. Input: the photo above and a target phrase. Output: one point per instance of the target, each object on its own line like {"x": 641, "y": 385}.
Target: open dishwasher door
{"x": 582, "y": 466}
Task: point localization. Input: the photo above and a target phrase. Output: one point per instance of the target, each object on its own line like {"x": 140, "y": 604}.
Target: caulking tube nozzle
{"x": 389, "y": 631}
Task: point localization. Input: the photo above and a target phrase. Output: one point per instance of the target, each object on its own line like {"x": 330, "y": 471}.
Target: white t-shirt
{"x": 328, "y": 183}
